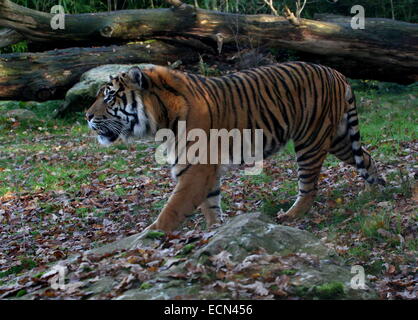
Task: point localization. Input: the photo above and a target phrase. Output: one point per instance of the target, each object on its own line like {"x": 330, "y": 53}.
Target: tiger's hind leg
{"x": 311, "y": 153}
{"x": 347, "y": 147}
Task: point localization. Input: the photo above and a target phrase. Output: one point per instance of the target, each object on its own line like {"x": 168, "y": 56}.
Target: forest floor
{"x": 61, "y": 193}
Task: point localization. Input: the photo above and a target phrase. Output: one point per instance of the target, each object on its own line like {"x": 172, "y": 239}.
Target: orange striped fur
{"x": 310, "y": 104}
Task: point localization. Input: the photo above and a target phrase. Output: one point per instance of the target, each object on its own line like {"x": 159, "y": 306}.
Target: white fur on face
{"x": 140, "y": 129}
{"x": 104, "y": 140}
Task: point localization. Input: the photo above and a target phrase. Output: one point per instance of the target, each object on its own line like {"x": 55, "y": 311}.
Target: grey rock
{"x": 244, "y": 234}
{"x": 315, "y": 271}
{"x": 248, "y": 232}
{"x": 21, "y": 114}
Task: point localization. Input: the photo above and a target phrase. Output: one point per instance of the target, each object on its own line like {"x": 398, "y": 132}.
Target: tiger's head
{"x": 119, "y": 111}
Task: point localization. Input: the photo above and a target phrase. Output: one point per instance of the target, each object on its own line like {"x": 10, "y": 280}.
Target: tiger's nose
{"x": 89, "y": 116}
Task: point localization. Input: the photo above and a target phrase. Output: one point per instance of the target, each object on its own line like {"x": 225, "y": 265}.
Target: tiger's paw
{"x": 295, "y": 212}
{"x": 283, "y": 216}
{"x": 152, "y": 226}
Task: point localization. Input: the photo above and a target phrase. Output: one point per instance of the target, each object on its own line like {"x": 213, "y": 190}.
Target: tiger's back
{"x": 287, "y": 101}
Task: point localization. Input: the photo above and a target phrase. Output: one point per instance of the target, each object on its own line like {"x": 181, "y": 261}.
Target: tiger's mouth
{"x": 106, "y": 135}
{"x": 106, "y": 139}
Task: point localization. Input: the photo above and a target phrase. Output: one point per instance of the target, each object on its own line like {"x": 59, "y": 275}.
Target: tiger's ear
{"x": 137, "y": 78}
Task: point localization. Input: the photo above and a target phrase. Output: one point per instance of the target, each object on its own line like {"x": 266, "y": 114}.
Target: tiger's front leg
{"x": 310, "y": 160}
{"x": 194, "y": 184}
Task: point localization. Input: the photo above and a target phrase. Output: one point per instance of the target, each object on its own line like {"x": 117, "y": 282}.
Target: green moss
{"x": 361, "y": 252}
{"x": 155, "y": 234}
{"x": 331, "y": 290}
{"x": 21, "y": 293}
{"x": 25, "y": 264}
{"x": 39, "y": 275}
{"x": 145, "y": 286}
{"x": 204, "y": 259}
{"x": 271, "y": 207}
{"x": 187, "y": 248}
{"x": 302, "y": 292}
{"x": 288, "y": 272}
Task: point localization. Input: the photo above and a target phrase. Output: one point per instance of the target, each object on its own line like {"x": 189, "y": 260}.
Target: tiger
{"x": 310, "y": 104}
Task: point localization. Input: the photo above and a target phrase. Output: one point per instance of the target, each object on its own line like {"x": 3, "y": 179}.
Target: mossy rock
{"x": 316, "y": 272}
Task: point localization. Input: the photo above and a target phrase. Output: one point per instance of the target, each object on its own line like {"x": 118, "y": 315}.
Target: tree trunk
{"x": 48, "y": 75}
{"x": 385, "y": 50}
{"x": 8, "y": 37}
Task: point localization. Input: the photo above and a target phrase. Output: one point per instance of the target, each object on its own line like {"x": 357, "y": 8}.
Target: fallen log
{"x": 48, "y": 75}
{"x": 9, "y": 36}
{"x": 385, "y": 50}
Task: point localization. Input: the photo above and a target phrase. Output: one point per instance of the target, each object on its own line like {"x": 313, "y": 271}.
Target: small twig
{"x": 271, "y": 6}
{"x": 300, "y": 8}
{"x": 219, "y": 40}
{"x": 392, "y": 9}
{"x": 290, "y": 16}
{"x": 175, "y": 64}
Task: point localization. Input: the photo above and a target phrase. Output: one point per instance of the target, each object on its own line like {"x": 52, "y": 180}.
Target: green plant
{"x": 155, "y": 234}
{"x": 17, "y": 47}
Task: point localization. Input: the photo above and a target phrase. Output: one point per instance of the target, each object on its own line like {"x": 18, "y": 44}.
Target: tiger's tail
{"x": 362, "y": 159}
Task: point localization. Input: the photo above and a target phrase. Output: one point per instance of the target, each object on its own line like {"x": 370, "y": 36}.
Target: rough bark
{"x": 385, "y": 50}
{"x": 9, "y": 36}
{"x": 48, "y": 75}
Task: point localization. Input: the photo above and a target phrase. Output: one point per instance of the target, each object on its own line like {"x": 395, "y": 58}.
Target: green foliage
{"x": 25, "y": 264}
{"x": 21, "y": 293}
{"x": 145, "y": 286}
{"x": 155, "y": 234}
{"x": 70, "y": 6}
{"x": 378, "y": 87}
{"x": 331, "y": 290}
{"x": 206, "y": 70}
{"x": 187, "y": 248}
{"x": 289, "y": 272}
{"x": 272, "y": 205}
{"x": 17, "y": 47}
{"x": 84, "y": 6}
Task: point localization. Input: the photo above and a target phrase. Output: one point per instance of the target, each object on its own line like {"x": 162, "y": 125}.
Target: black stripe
{"x": 309, "y": 191}
{"x": 308, "y": 175}
{"x": 183, "y": 170}
{"x": 164, "y": 110}
{"x": 214, "y": 193}
{"x": 355, "y": 136}
{"x": 199, "y": 87}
